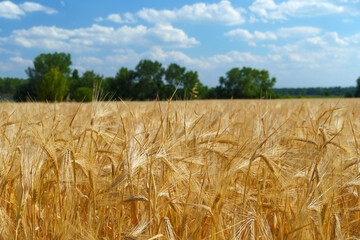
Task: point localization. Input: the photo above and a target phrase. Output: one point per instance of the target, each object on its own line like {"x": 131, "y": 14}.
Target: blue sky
{"x": 303, "y": 43}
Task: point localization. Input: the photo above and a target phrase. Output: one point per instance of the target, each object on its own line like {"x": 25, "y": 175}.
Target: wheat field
{"x": 231, "y": 169}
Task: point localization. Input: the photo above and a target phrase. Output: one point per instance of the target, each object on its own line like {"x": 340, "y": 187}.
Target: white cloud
{"x": 98, "y": 19}
{"x": 115, "y": 18}
{"x": 275, "y": 57}
{"x": 36, "y": 7}
{"x": 84, "y": 39}
{"x": 128, "y": 18}
{"x": 322, "y": 50}
{"x": 251, "y": 38}
{"x": 298, "y": 58}
{"x": 269, "y": 10}
{"x": 219, "y": 13}
{"x": 21, "y": 61}
{"x": 241, "y": 34}
{"x": 298, "y": 32}
{"x": 347, "y": 1}
{"x": 123, "y": 56}
{"x": 316, "y": 41}
{"x": 203, "y": 63}
{"x": 11, "y": 10}
{"x": 353, "y": 39}
{"x": 169, "y": 34}
{"x": 176, "y": 56}
{"x": 89, "y": 61}
{"x": 313, "y": 60}
{"x": 329, "y": 39}
{"x": 236, "y": 57}
{"x": 13, "y": 64}
{"x": 334, "y": 36}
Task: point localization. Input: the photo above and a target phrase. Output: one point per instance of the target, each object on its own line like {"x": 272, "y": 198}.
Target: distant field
{"x": 241, "y": 169}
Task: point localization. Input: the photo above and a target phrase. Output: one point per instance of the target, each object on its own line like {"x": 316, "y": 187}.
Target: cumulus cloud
{"x": 89, "y": 61}
{"x": 115, "y": 18}
{"x": 83, "y": 39}
{"x": 294, "y": 32}
{"x": 298, "y": 32}
{"x": 21, "y": 61}
{"x": 316, "y": 50}
{"x": 334, "y": 36}
{"x": 36, "y": 7}
{"x": 329, "y": 39}
{"x": 11, "y": 10}
{"x": 269, "y": 10}
{"x": 219, "y": 13}
{"x": 127, "y": 18}
{"x": 98, "y": 19}
{"x": 123, "y": 57}
{"x": 201, "y": 63}
{"x": 316, "y": 41}
{"x": 13, "y": 64}
{"x": 245, "y": 35}
{"x": 353, "y": 38}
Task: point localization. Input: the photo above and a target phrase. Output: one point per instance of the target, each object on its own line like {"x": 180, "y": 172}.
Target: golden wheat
{"x": 234, "y": 169}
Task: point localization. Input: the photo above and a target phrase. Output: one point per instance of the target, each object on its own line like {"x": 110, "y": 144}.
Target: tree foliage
{"x": 53, "y": 86}
{"x": 89, "y": 79}
{"x": 43, "y": 64}
{"x": 52, "y": 79}
{"x": 122, "y": 85}
{"x": 357, "y": 91}
{"x": 174, "y": 74}
{"x": 148, "y": 79}
{"x": 246, "y": 83}
{"x": 8, "y": 85}
{"x": 315, "y": 91}
{"x": 83, "y": 94}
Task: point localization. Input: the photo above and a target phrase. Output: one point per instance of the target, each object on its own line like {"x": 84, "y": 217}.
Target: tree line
{"x": 316, "y": 92}
{"x": 52, "y": 79}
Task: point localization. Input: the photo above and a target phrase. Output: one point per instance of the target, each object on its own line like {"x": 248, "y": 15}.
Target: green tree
{"x": 246, "y": 83}
{"x": 348, "y": 94}
{"x": 174, "y": 74}
{"x": 192, "y": 85}
{"x": 357, "y": 91}
{"x": 83, "y": 94}
{"x": 22, "y": 93}
{"x": 122, "y": 85}
{"x": 148, "y": 79}
{"x": 89, "y": 79}
{"x": 42, "y": 65}
{"x": 9, "y": 85}
{"x": 74, "y": 81}
{"x": 53, "y": 86}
